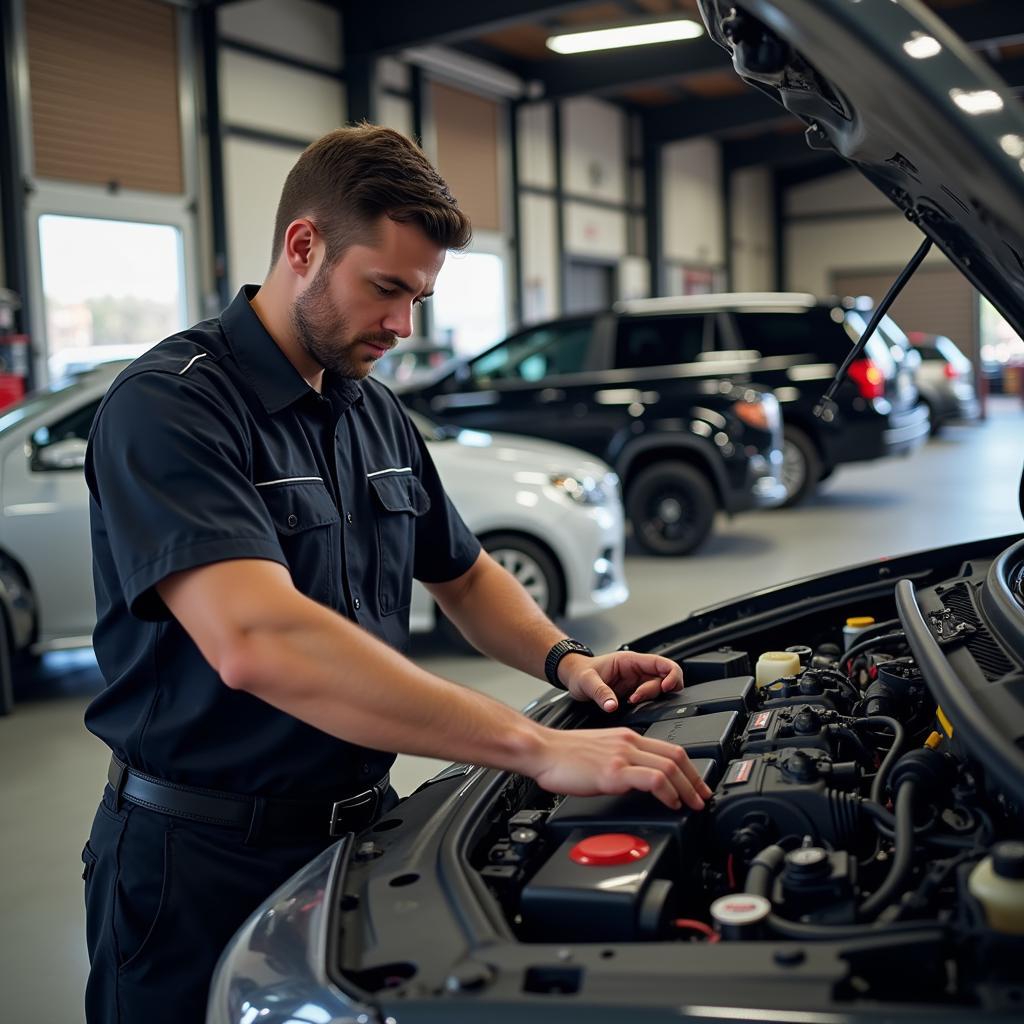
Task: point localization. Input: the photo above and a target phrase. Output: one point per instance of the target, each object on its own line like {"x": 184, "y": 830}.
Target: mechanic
{"x": 259, "y": 510}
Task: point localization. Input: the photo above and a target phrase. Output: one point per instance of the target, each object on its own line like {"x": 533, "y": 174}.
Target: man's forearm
{"x": 328, "y": 672}
{"x": 500, "y": 619}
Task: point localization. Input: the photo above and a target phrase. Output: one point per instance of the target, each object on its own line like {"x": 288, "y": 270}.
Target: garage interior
{"x": 625, "y": 174}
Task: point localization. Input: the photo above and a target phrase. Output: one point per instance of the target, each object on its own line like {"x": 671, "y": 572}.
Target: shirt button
{"x": 293, "y": 520}
{"x": 356, "y": 603}
{"x": 348, "y": 518}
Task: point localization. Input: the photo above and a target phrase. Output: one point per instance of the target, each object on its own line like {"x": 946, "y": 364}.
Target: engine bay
{"x": 855, "y": 825}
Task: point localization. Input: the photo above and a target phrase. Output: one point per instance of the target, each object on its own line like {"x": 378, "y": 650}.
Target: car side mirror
{"x": 67, "y": 454}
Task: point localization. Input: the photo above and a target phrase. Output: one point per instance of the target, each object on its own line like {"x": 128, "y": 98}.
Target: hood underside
{"x": 891, "y": 90}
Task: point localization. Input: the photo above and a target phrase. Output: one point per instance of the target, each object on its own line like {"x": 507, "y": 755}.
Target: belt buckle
{"x": 341, "y": 807}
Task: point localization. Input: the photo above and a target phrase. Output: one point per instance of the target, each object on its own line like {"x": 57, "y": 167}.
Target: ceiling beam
{"x": 982, "y": 22}
{"x": 615, "y": 70}
{"x": 699, "y": 116}
{"x": 375, "y": 30}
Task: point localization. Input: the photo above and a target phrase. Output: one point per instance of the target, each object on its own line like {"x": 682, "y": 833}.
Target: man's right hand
{"x": 589, "y": 762}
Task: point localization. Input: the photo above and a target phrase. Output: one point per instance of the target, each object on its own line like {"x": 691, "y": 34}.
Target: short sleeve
{"x": 445, "y": 545}
{"x": 168, "y": 467}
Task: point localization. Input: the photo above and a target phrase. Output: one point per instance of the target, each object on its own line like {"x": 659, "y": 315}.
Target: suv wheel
{"x": 6, "y": 668}
{"x": 801, "y": 466}
{"x": 671, "y": 506}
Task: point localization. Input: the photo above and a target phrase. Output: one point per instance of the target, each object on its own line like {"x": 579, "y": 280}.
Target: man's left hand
{"x": 621, "y": 675}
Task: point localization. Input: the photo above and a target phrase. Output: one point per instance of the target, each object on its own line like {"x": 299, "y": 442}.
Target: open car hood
{"x": 941, "y": 135}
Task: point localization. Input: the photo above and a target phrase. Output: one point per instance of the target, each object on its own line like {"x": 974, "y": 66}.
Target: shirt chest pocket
{"x": 308, "y": 529}
{"x": 399, "y": 499}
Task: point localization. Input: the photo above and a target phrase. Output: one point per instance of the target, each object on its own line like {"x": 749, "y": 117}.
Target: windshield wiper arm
{"x": 826, "y": 405}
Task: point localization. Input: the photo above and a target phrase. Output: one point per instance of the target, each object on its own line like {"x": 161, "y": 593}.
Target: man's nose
{"x": 399, "y": 321}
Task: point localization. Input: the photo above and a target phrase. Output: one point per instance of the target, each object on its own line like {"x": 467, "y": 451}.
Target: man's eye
{"x": 382, "y": 291}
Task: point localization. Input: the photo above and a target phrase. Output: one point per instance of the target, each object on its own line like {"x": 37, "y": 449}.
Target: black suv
{"x": 684, "y": 440}
{"x": 794, "y": 344}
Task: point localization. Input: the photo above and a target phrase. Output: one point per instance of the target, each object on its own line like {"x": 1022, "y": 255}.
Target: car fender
{"x": 692, "y": 449}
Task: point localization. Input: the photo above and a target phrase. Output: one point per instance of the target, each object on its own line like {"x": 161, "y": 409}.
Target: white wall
{"x": 271, "y": 97}
{"x": 257, "y": 93}
{"x": 253, "y": 175}
{"x": 299, "y": 28}
{"x": 594, "y": 231}
{"x": 865, "y": 232}
{"x": 753, "y": 240}
{"x": 692, "y": 217}
{"x": 536, "y": 148}
{"x": 539, "y": 256}
{"x": 594, "y": 153}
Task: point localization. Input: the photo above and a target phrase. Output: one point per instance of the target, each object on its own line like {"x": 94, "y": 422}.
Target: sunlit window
{"x": 468, "y": 307}
{"x": 999, "y": 342}
{"x": 112, "y": 288}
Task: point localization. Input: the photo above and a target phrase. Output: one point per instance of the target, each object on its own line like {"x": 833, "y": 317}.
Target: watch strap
{"x": 557, "y": 653}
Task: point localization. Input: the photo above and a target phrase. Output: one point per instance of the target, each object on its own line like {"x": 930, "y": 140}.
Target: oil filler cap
{"x": 610, "y": 849}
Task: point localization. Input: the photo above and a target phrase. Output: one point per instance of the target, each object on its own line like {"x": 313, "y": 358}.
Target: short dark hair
{"x": 346, "y": 180}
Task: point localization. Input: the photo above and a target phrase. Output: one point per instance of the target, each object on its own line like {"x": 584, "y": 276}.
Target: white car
{"x": 550, "y": 514}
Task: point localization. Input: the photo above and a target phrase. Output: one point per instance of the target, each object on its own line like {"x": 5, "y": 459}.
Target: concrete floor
{"x": 962, "y": 486}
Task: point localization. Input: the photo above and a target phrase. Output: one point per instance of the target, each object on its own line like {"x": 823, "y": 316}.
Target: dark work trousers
{"x": 163, "y": 896}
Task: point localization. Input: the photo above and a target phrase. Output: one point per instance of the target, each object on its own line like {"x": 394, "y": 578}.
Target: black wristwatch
{"x": 555, "y": 656}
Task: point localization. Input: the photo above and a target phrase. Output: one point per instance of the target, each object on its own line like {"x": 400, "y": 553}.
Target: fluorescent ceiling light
{"x": 921, "y": 46}
{"x": 981, "y": 101}
{"x": 626, "y": 35}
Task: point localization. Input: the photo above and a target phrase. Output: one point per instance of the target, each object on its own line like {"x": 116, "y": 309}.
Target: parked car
{"x": 551, "y": 515}
{"x": 684, "y": 440}
{"x": 945, "y": 380}
{"x": 797, "y": 894}
{"x": 789, "y": 343}
{"x": 412, "y": 361}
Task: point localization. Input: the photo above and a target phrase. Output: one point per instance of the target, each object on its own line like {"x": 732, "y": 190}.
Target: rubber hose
{"x": 903, "y": 854}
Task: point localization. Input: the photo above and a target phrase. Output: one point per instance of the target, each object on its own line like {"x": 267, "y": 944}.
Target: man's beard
{"x": 322, "y": 330}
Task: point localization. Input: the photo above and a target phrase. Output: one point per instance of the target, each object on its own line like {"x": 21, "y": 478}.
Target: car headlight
{"x": 585, "y": 490}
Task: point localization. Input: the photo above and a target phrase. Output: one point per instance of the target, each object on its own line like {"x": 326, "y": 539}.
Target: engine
{"x": 842, "y": 812}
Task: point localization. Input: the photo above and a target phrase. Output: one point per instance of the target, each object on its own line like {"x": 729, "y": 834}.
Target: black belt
{"x": 261, "y": 817}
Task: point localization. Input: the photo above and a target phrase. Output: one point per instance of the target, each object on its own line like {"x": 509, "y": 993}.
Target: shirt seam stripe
{"x": 202, "y": 355}
{"x": 291, "y": 480}
{"x": 393, "y": 469}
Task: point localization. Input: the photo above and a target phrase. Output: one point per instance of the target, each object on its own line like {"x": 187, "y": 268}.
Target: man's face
{"x": 353, "y": 312}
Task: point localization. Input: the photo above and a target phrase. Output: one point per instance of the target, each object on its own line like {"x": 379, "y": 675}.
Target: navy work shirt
{"x": 211, "y": 446}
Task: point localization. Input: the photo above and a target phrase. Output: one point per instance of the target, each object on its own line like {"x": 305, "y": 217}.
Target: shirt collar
{"x": 277, "y": 383}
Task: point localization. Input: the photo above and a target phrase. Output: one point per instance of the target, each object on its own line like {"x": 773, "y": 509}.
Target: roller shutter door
{"x": 103, "y": 85}
{"x": 938, "y": 300}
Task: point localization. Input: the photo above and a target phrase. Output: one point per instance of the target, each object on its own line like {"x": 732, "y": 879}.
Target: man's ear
{"x": 302, "y": 243}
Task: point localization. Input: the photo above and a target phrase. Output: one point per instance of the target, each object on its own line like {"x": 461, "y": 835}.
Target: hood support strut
{"x": 825, "y": 409}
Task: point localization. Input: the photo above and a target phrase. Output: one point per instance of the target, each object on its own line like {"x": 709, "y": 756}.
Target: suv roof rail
{"x": 719, "y": 301}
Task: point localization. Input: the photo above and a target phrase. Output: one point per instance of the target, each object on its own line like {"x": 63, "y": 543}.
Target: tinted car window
{"x": 781, "y": 333}
{"x": 659, "y": 340}
{"x": 74, "y": 426}
{"x": 533, "y": 355}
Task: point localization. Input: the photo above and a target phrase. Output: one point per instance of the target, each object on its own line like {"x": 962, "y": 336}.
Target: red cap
{"x": 609, "y": 849}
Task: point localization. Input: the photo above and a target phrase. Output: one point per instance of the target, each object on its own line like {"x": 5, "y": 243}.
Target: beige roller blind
{"x": 937, "y": 300}
{"x": 467, "y": 152}
{"x": 103, "y": 79}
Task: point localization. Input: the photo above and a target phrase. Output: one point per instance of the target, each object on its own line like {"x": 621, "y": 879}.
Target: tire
{"x": 801, "y": 466}
{"x": 6, "y": 668}
{"x": 531, "y": 565}
{"x": 672, "y": 507}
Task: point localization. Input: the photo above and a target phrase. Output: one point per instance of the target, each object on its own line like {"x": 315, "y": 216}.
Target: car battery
{"x": 626, "y": 811}
{"x": 789, "y": 791}
{"x": 699, "y": 735}
{"x": 734, "y": 694}
{"x": 801, "y": 725}
{"x": 606, "y": 886}
{"x": 724, "y": 663}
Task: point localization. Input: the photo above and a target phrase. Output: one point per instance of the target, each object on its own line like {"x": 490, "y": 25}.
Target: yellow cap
{"x": 860, "y": 621}
{"x": 933, "y": 741}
